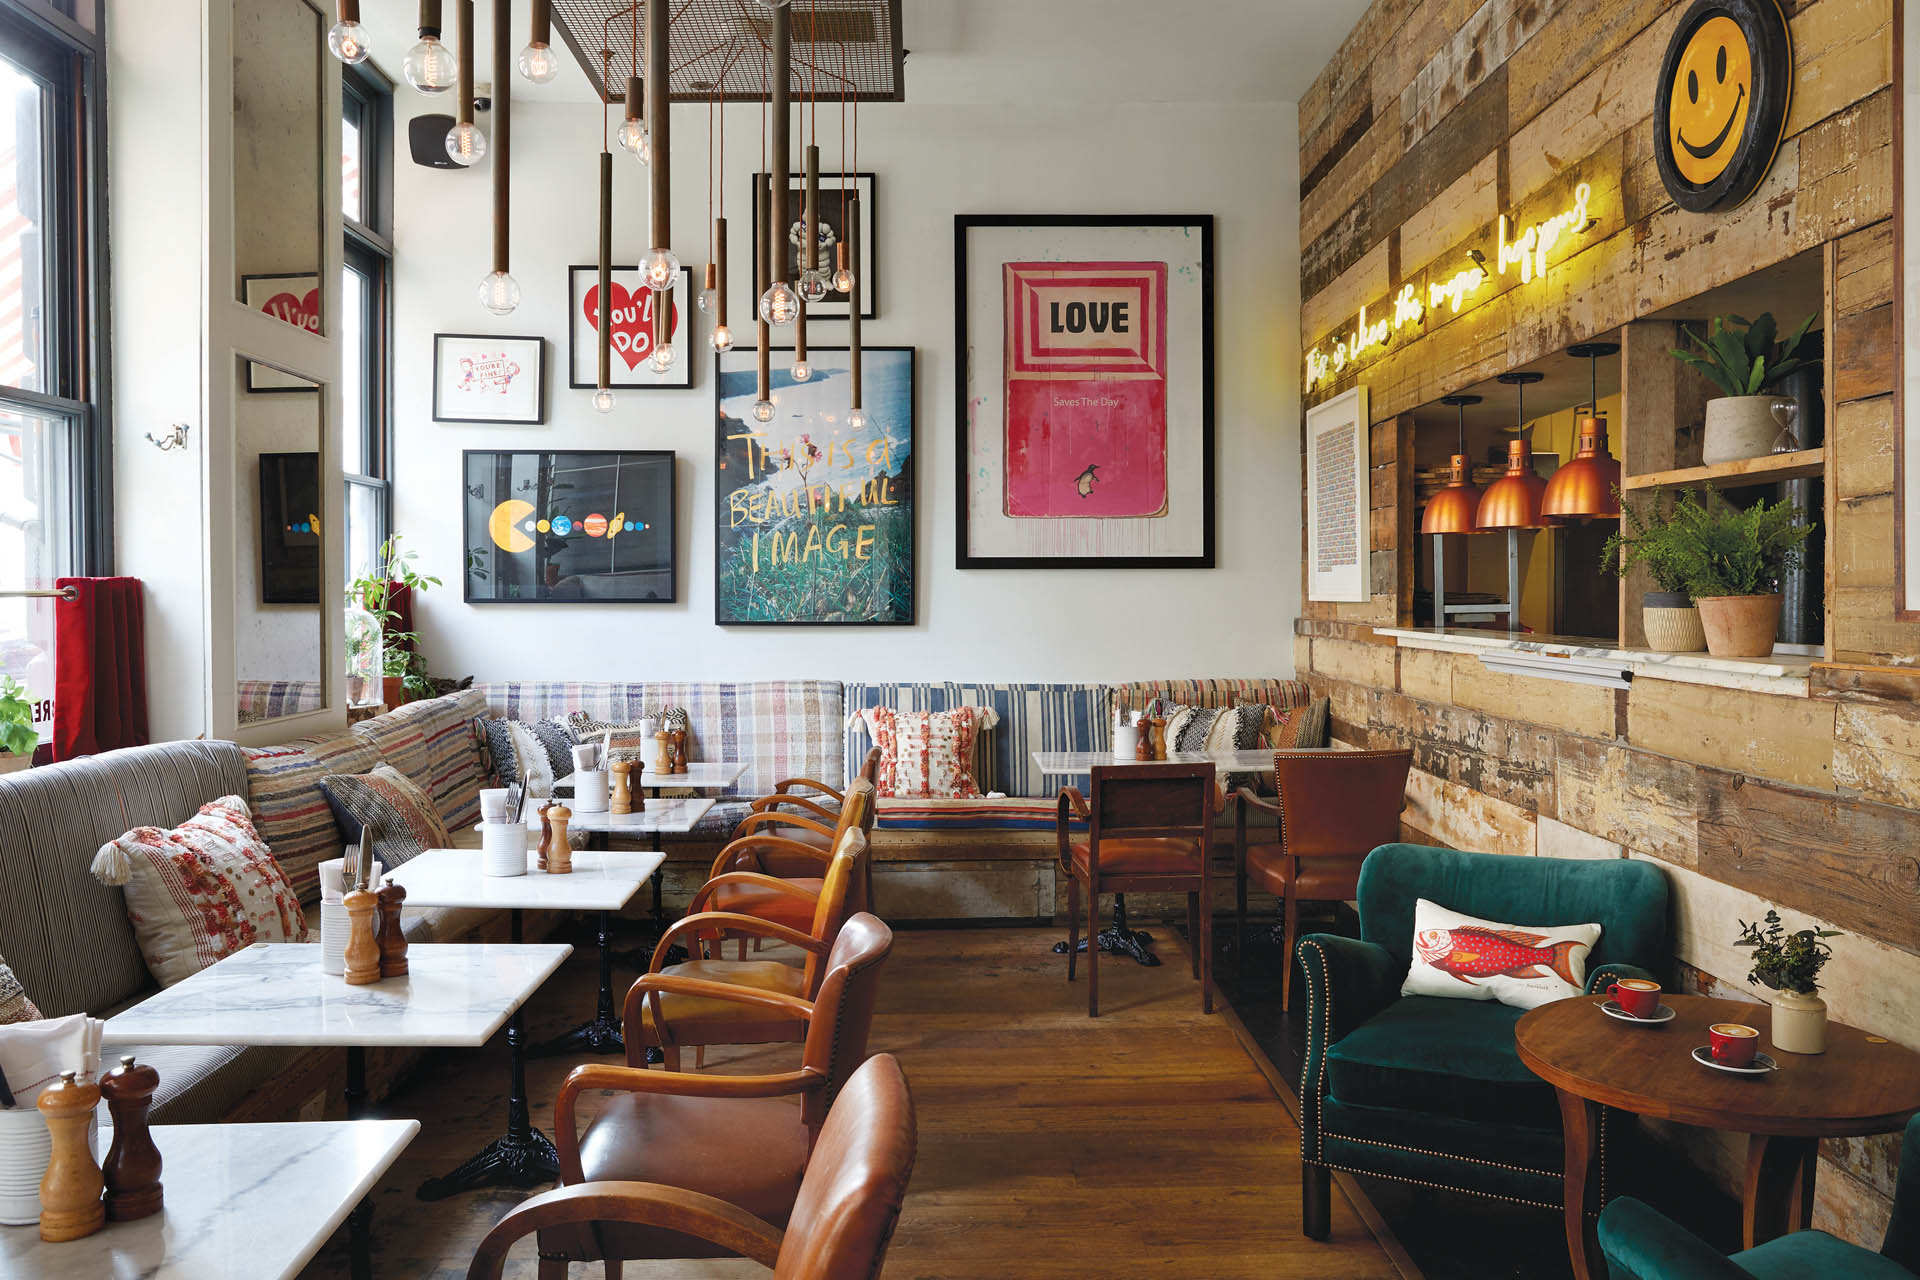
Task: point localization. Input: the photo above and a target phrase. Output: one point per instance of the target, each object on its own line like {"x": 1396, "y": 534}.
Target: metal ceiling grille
{"x": 850, "y": 44}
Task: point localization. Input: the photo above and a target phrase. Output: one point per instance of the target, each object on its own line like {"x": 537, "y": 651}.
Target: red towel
{"x": 100, "y": 668}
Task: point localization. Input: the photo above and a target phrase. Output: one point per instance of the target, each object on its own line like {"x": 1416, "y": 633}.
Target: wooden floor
{"x": 1145, "y": 1142}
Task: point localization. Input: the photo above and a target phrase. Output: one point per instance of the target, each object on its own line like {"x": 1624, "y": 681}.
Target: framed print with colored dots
{"x": 587, "y": 527}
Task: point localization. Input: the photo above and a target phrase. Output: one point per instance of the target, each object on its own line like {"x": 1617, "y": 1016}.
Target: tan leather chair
{"x": 1150, "y": 830}
{"x": 671, "y": 1007}
{"x": 1335, "y": 807}
{"x": 744, "y": 1140}
{"x": 843, "y": 1216}
{"x": 772, "y": 874}
{"x": 772, "y": 812}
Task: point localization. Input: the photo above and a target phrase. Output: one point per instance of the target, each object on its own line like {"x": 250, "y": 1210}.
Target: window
{"x": 366, "y": 177}
{"x": 54, "y": 471}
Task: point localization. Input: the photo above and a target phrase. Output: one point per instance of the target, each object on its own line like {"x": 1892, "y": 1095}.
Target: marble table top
{"x": 243, "y": 1202}
{"x": 1067, "y": 762}
{"x": 676, "y": 816}
{"x": 598, "y": 882}
{"x": 701, "y": 775}
{"x": 454, "y": 995}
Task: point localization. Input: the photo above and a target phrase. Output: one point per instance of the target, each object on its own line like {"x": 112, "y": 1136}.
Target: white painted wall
{"x": 1237, "y": 162}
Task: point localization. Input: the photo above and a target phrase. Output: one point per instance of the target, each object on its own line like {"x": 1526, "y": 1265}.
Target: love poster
{"x": 294, "y": 299}
{"x": 814, "y": 518}
{"x": 631, "y": 332}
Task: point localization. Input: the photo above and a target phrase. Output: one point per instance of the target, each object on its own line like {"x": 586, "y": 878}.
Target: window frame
{"x": 369, "y": 251}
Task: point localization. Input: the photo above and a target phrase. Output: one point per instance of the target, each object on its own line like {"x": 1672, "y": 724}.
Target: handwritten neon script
{"x": 1528, "y": 251}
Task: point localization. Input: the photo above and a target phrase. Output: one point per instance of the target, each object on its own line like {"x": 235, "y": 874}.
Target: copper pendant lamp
{"x": 1513, "y": 501}
{"x": 1456, "y": 507}
{"x": 1588, "y": 486}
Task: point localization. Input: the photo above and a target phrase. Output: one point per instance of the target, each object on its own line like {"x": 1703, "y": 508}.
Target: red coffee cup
{"x": 1733, "y": 1045}
{"x": 1638, "y": 997}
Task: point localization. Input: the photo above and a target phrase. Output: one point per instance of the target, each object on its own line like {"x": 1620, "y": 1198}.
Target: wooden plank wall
{"x": 1435, "y": 117}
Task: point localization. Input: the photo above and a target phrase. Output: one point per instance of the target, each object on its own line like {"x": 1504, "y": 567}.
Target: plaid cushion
{"x": 1033, "y": 717}
{"x": 553, "y": 699}
{"x": 433, "y": 743}
{"x": 271, "y": 699}
{"x": 290, "y": 810}
{"x": 402, "y": 819}
{"x": 1280, "y": 694}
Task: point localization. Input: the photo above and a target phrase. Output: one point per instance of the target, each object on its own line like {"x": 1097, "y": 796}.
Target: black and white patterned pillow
{"x": 627, "y": 743}
{"x": 15, "y": 1006}
{"x": 1215, "y": 730}
{"x": 504, "y": 739}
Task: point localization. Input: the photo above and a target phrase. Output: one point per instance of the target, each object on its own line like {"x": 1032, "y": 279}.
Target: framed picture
{"x": 293, "y": 298}
{"x": 632, "y": 341}
{"x": 833, "y": 232}
{"x": 480, "y": 377}
{"x": 584, "y": 527}
{"x": 1337, "y": 498}
{"x": 1085, "y": 391}
{"x": 814, "y": 520}
{"x": 289, "y": 528}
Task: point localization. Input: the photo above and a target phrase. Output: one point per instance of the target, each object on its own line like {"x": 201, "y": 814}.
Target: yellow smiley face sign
{"x": 1721, "y": 105}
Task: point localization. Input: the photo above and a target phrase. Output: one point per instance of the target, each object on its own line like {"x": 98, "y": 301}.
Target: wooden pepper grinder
{"x": 1159, "y": 738}
{"x": 1143, "y": 743}
{"x": 132, "y": 1171}
{"x": 559, "y": 852}
{"x": 546, "y": 835}
{"x": 363, "y": 949}
{"x": 663, "y": 752}
{"x": 70, "y": 1205}
{"x": 679, "y": 750}
{"x": 622, "y": 799}
{"x": 393, "y": 941}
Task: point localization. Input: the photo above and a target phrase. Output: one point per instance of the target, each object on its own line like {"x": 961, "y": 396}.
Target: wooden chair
{"x": 842, "y": 1219}
{"x": 1334, "y": 807}
{"x": 671, "y": 1007}
{"x": 1149, "y": 830}
{"x": 745, "y": 1140}
{"x": 777, "y": 810}
{"x": 758, "y": 874}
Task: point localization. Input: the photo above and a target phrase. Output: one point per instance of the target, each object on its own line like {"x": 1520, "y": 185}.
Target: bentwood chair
{"x": 771, "y": 874}
{"x": 745, "y": 1140}
{"x": 778, "y": 810}
{"x": 842, "y": 1219}
{"x": 1149, "y": 830}
{"x": 1334, "y": 808}
{"x": 671, "y": 1007}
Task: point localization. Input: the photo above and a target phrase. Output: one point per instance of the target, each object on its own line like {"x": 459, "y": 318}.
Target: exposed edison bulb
{"x": 466, "y": 144}
{"x": 801, "y": 371}
{"x": 813, "y": 286}
{"x": 662, "y": 270}
{"x": 603, "y": 400}
{"x": 633, "y": 137}
{"x": 709, "y": 299}
{"x": 773, "y": 4}
{"x": 663, "y": 357}
{"x": 348, "y": 40}
{"x": 538, "y": 64}
{"x": 779, "y": 305}
{"x": 763, "y": 411}
{"x": 722, "y": 338}
{"x": 429, "y": 66}
{"x": 499, "y": 293}
{"x": 856, "y": 419}
{"x": 843, "y": 280}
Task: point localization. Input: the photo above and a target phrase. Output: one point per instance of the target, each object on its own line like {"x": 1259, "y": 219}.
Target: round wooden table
{"x": 1861, "y": 1085}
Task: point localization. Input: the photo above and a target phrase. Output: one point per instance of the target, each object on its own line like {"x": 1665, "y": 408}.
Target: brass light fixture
{"x": 1513, "y": 501}
{"x": 348, "y": 39}
{"x": 538, "y": 62}
{"x": 499, "y": 291}
{"x": 603, "y": 382}
{"x": 1589, "y": 485}
{"x": 1456, "y": 507}
{"x": 465, "y": 143}
{"x": 430, "y": 66}
{"x": 661, "y": 270}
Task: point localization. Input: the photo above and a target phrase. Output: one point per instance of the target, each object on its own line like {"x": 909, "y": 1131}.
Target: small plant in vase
{"x": 18, "y": 737}
{"x": 1645, "y": 539}
{"x": 1789, "y": 964}
{"x": 403, "y": 667}
{"x": 1743, "y": 362}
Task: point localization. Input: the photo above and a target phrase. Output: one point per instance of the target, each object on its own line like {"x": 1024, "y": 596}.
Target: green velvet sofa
{"x": 1431, "y": 1091}
{"x": 1643, "y": 1244}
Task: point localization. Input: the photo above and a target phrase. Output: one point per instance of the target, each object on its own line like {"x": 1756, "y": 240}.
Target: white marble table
{"x": 701, "y": 775}
{"x": 1072, "y": 762}
{"x": 660, "y": 817}
{"x": 243, "y": 1202}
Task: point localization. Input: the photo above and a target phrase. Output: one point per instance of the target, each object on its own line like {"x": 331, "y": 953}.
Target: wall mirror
{"x": 280, "y": 540}
{"x": 279, "y": 58}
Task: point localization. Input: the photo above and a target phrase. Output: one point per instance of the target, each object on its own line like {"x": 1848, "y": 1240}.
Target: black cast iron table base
{"x": 1117, "y": 938}
{"x": 602, "y": 1033}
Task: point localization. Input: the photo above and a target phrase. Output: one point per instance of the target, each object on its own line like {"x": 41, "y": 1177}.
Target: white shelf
{"x": 1782, "y": 673}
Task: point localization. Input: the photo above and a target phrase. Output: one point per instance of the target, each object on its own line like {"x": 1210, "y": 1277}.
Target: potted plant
{"x": 1646, "y": 537}
{"x": 403, "y": 668}
{"x": 1789, "y": 965}
{"x": 1743, "y": 364}
{"x": 1732, "y": 560}
{"x": 18, "y": 737}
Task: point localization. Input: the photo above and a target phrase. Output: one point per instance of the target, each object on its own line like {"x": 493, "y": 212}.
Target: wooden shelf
{"x": 1769, "y": 468}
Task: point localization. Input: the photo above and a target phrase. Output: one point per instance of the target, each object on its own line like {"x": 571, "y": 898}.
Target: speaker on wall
{"x": 427, "y": 135}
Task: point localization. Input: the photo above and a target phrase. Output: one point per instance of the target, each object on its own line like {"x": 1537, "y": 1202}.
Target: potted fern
{"x": 1742, "y": 358}
{"x": 1647, "y": 538}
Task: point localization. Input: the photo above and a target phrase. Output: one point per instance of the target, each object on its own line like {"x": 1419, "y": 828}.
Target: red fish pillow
{"x": 1461, "y": 957}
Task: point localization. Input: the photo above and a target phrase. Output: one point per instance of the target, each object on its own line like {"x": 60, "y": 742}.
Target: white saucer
{"x": 1761, "y": 1063}
{"x": 1662, "y": 1014}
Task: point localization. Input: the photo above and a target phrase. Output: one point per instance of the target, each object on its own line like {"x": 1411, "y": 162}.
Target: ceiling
{"x": 1018, "y": 52}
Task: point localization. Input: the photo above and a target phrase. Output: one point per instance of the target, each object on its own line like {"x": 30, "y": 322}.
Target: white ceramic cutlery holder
{"x": 1126, "y": 741}
{"x": 503, "y": 848}
{"x": 590, "y": 791}
{"x": 25, "y": 1147}
{"x": 333, "y": 916}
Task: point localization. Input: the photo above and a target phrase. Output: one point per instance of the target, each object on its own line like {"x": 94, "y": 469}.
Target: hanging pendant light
{"x": 348, "y": 39}
{"x": 430, "y": 67}
{"x": 538, "y": 62}
{"x": 1589, "y": 485}
{"x": 466, "y": 145}
{"x": 1456, "y": 507}
{"x": 1513, "y": 501}
{"x": 779, "y": 304}
{"x": 499, "y": 291}
{"x": 856, "y": 414}
{"x": 661, "y": 270}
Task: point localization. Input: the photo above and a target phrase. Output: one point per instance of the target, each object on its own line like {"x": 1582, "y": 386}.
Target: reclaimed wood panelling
{"x": 1876, "y": 751}
{"x": 1502, "y": 758}
{"x": 1842, "y": 51}
{"x": 1462, "y": 818}
{"x": 1634, "y": 798}
{"x": 1480, "y": 45}
{"x": 1558, "y": 840}
{"x": 1783, "y": 738}
{"x": 1587, "y": 33}
{"x": 1860, "y": 547}
{"x": 1582, "y": 709}
{"x": 1860, "y": 442}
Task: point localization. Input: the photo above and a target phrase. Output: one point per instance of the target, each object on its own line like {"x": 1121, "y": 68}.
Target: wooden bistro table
{"x": 1862, "y": 1084}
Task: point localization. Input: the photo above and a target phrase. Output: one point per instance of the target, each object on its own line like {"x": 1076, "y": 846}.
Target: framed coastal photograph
{"x": 585, "y": 527}
{"x": 631, "y": 335}
{"x": 1085, "y": 391}
{"x": 1337, "y": 498}
{"x": 833, "y": 232}
{"x": 294, "y": 298}
{"x": 479, "y": 377}
{"x": 814, "y": 518}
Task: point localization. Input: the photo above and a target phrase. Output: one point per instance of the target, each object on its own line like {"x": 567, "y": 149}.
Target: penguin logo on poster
{"x": 1721, "y": 104}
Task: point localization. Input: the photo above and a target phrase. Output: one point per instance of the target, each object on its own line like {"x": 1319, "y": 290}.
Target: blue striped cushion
{"x": 1033, "y": 717}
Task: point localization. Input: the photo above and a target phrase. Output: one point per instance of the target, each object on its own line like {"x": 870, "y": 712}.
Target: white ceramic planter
{"x": 1799, "y": 1022}
{"x": 1672, "y": 623}
{"x": 1739, "y": 427}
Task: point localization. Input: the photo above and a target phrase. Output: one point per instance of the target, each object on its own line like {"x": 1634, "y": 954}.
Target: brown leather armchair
{"x": 1335, "y": 807}
{"x": 1150, "y": 829}
{"x": 744, "y": 1140}
{"x": 843, "y": 1216}
{"x": 669, "y": 1006}
{"x": 773, "y": 811}
{"x": 740, "y": 879}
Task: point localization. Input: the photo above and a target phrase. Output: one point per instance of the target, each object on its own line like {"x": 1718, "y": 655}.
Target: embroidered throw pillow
{"x": 14, "y": 1004}
{"x": 516, "y": 749}
{"x": 202, "y": 891}
{"x": 1299, "y": 726}
{"x": 927, "y": 754}
{"x": 401, "y": 820}
{"x": 1465, "y": 958}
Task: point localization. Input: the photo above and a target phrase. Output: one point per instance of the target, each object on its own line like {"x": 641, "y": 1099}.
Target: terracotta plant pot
{"x": 1739, "y": 626}
{"x": 1799, "y": 1022}
{"x": 393, "y": 691}
{"x": 11, "y": 763}
{"x": 1672, "y": 623}
{"x": 1739, "y": 427}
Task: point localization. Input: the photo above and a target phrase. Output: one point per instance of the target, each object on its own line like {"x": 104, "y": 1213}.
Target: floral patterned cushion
{"x": 202, "y": 891}
{"x": 927, "y": 754}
